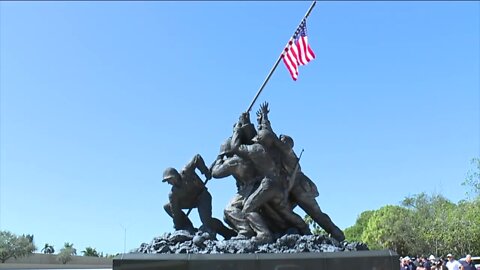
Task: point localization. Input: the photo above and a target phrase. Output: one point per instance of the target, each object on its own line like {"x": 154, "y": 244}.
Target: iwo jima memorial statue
{"x": 261, "y": 229}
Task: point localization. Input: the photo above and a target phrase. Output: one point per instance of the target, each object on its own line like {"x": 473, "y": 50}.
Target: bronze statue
{"x": 304, "y": 191}
{"x": 247, "y": 178}
{"x": 188, "y": 191}
{"x": 270, "y": 191}
{"x": 301, "y": 189}
{"x": 270, "y": 184}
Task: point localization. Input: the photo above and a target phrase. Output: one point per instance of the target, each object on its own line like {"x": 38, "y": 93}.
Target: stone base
{"x": 358, "y": 260}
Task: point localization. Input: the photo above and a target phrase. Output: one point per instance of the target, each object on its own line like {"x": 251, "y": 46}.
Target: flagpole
{"x": 279, "y": 58}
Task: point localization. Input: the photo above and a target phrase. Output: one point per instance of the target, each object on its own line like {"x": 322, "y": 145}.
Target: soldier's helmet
{"x": 226, "y": 146}
{"x": 287, "y": 140}
{"x": 170, "y": 173}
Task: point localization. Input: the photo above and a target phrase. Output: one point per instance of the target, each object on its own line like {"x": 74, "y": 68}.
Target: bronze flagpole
{"x": 280, "y": 58}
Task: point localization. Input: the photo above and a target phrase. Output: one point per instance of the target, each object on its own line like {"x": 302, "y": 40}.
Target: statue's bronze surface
{"x": 270, "y": 184}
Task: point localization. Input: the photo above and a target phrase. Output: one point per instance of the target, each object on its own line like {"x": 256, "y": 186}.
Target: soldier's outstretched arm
{"x": 262, "y": 117}
{"x": 243, "y": 120}
{"x": 224, "y": 168}
{"x": 197, "y": 162}
{"x": 236, "y": 136}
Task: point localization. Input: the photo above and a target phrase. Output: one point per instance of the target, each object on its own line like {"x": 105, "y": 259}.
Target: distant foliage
{"x": 89, "y": 251}
{"x": 389, "y": 227}
{"x": 355, "y": 232}
{"x": 66, "y": 253}
{"x": 13, "y": 246}
{"x": 48, "y": 249}
{"x": 316, "y": 229}
{"x": 111, "y": 256}
{"x": 70, "y": 248}
{"x": 472, "y": 182}
{"x": 425, "y": 224}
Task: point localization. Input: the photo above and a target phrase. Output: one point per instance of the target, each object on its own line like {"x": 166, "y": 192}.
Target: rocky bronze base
{"x": 180, "y": 242}
{"x": 183, "y": 251}
{"x": 358, "y": 260}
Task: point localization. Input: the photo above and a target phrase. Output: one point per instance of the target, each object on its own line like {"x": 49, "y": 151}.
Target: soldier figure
{"x": 299, "y": 189}
{"x": 243, "y": 131}
{"x": 188, "y": 191}
{"x": 246, "y": 178}
{"x": 270, "y": 193}
{"x": 254, "y": 170}
{"x": 269, "y": 181}
{"x": 303, "y": 191}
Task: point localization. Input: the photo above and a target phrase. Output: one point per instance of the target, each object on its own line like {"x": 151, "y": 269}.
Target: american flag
{"x": 298, "y": 52}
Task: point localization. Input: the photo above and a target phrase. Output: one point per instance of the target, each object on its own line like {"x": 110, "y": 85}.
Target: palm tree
{"x": 69, "y": 246}
{"x": 48, "y": 249}
{"x": 66, "y": 253}
{"x": 89, "y": 251}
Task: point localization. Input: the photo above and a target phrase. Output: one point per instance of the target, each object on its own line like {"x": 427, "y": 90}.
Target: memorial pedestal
{"x": 358, "y": 260}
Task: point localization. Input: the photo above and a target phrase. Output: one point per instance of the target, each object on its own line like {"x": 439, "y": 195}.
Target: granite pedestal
{"x": 358, "y": 260}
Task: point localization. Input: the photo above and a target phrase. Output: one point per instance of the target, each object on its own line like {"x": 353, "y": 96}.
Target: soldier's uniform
{"x": 299, "y": 189}
{"x": 188, "y": 191}
{"x": 246, "y": 178}
{"x": 304, "y": 191}
{"x": 271, "y": 189}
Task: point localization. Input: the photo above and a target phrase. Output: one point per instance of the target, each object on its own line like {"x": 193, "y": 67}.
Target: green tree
{"x": 66, "y": 253}
{"x": 316, "y": 229}
{"x": 111, "y": 256}
{"x": 354, "y": 233}
{"x": 89, "y": 251}
{"x": 430, "y": 222}
{"x": 469, "y": 211}
{"x": 13, "y": 246}
{"x": 69, "y": 246}
{"x": 473, "y": 179}
{"x": 390, "y": 228}
{"x": 464, "y": 224}
{"x": 48, "y": 249}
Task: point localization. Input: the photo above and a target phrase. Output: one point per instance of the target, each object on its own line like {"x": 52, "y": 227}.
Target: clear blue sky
{"x": 98, "y": 98}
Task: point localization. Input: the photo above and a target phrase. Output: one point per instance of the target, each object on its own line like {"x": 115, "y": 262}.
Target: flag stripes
{"x": 290, "y": 60}
{"x": 297, "y": 52}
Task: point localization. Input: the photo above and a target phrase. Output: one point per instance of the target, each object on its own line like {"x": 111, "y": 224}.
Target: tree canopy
{"x": 66, "y": 253}
{"x": 13, "y": 246}
{"x": 422, "y": 224}
{"x": 48, "y": 249}
{"x": 89, "y": 251}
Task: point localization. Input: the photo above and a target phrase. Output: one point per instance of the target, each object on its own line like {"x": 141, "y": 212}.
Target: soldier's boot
{"x": 207, "y": 232}
{"x": 240, "y": 237}
{"x": 327, "y": 224}
{"x": 192, "y": 230}
{"x": 305, "y": 231}
{"x": 183, "y": 223}
{"x": 221, "y": 229}
{"x": 260, "y": 228}
{"x": 333, "y": 230}
{"x": 338, "y": 234}
{"x": 294, "y": 220}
